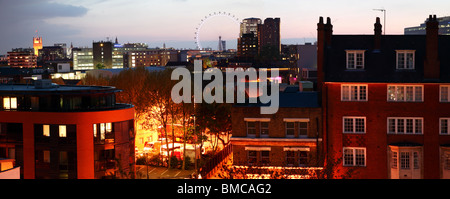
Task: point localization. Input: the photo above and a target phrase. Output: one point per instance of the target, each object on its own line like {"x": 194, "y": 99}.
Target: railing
{"x": 208, "y": 169}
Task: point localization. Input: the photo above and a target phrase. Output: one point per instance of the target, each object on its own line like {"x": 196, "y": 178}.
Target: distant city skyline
{"x": 174, "y": 22}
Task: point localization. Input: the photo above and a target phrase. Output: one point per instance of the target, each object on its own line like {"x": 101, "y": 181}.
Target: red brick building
{"x": 291, "y": 138}
{"x": 385, "y": 101}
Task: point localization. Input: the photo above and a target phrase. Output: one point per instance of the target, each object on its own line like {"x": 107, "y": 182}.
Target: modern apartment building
{"x": 385, "y": 101}
{"x": 22, "y": 58}
{"x": 66, "y": 132}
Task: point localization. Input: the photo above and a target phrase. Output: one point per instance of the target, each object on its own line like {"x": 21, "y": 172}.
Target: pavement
{"x": 162, "y": 173}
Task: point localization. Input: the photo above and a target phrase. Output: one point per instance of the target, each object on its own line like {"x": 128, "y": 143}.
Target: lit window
{"x": 354, "y": 124}
{"x": 353, "y": 92}
{"x": 405, "y": 93}
{"x": 108, "y": 127}
{"x": 407, "y": 125}
{"x": 46, "y": 130}
{"x": 102, "y": 131}
{"x": 355, "y": 59}
{"x": 354, "y": 156}
{"x": 444, "y": 94}
{"x": 9, "y": 103}
{"x": 444, "y": 126}
{"x": 62, "y": 131}
{"x": 95, "y": 130}
{"x": 405, "y": 59}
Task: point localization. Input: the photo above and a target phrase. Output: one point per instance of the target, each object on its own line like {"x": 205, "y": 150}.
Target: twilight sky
{"x": 174, "y": 22}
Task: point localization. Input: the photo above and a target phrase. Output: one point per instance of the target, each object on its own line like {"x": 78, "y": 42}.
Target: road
{"x": 161, "y": 173}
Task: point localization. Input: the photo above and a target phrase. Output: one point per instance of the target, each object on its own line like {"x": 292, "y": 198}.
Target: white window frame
{"x": 405, "y": 61}
{"x": 441, "y": 94}
{"x": 265, "y": 128}
{"x": 405, "y": 120}
{"x": 354, "y": 156}
{"x": 257, "y": 122}
{"x": 353, "y": 124}
{"x": 289, "y": 128}
{"x": 440, "y": 126}
{"x": 405, "y": 88}
{"x": 355, "y": 66}
{"x": 347, "y": 96}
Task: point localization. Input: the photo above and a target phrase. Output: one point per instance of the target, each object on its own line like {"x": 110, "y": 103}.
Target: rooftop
{"x": 30, "y": 88}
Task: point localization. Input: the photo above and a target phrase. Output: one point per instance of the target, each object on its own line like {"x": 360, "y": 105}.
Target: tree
{"x": 160, "y": 107}
{"x": 100, "y": 66}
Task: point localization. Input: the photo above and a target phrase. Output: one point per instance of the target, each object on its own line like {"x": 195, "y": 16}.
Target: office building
{"x": 83, "y": 59}
{"x": 444, "y": 27}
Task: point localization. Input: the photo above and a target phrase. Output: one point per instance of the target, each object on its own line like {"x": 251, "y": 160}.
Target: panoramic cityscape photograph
{"x": 207, "y": 98}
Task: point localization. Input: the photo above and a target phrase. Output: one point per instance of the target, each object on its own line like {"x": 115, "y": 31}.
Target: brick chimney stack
{"x": 377, "y": 36}
{"x": 432, "y": 64}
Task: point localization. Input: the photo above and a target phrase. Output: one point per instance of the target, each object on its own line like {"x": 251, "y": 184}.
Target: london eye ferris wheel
{"x": 208, "y": 18}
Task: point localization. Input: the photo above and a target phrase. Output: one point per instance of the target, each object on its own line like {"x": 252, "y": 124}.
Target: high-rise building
{"x": 222, "y": 45}
{"x": 102, "y": 54}
{"x": 269, "y": 34}
{"x": 249, "y": 25}
{"x": 444, "y": 27}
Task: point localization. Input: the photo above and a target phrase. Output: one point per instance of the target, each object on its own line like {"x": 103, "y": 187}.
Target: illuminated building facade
{"x": 290, "y": 138}
{"x": 249, "y": 25}
{"x": 66, "y": 132}
{"x": 150, "y": 57}
{"x": 444, "y": 27}
{"x": 37, "y": 44}
{"x": 385, "y": 101}
{"x": 22, "y": 58}
{"x": 82, "y": 59}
